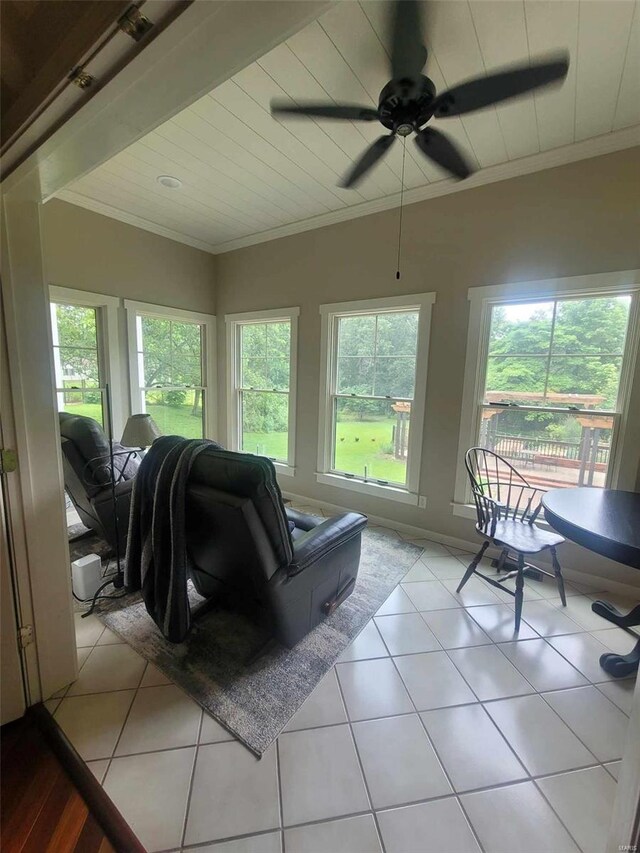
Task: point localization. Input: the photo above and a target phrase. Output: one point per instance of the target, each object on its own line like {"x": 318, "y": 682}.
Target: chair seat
{"x": 524, "y": 537}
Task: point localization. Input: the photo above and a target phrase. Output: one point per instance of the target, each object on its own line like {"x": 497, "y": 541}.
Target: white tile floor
{"x": 438, "y": 731}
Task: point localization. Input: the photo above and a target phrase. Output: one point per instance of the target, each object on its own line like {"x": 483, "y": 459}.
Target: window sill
{"x": 284, "y": 470}
{"x": 390, "y": 493}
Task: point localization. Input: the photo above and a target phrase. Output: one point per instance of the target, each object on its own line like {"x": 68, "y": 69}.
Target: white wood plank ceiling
{"x": 247, "y": 177}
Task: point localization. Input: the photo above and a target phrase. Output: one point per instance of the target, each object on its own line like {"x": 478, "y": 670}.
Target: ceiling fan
{"x": 409, "y": 100}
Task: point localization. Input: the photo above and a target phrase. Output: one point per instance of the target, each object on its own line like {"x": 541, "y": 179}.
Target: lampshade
{"x": 140, "y": 431}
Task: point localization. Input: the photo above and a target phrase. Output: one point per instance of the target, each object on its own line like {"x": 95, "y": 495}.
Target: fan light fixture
{"x": 169, "y": 181}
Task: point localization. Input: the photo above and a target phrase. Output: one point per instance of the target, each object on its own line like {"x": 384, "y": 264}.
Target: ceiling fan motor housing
{"x": 405, "y": 105}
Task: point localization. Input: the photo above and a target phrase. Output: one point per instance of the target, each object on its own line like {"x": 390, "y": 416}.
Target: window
{"x": 79, "y": 383}
{"x": 261, "y": 352}
{"x": 169, "y": 353}
{"x": 552, "y": 379}
{"x": 85, "y": 353}
{"x": 372, "y": 398}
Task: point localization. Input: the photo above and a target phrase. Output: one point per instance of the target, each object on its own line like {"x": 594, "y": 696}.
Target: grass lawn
{"x": 273, "y": 444}
{"x": 358, "y": 443}
{"x": 171, "y": 420}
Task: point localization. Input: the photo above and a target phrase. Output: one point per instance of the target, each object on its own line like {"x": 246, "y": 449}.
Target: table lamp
{"x": 140, "y": 431}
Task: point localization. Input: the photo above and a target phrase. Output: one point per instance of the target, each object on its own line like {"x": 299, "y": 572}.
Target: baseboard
{"x": 596, "y": 582}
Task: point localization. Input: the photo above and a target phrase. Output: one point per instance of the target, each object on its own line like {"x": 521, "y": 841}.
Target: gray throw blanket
{"x": 157, "y": 560}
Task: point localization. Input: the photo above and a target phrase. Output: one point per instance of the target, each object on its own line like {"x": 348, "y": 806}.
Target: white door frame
{"x": 16, "y": 664}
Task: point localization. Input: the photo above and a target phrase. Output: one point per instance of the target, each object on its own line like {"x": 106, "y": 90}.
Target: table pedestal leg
{"x": 619, "y": 665}
{"x": 612, "y": 614}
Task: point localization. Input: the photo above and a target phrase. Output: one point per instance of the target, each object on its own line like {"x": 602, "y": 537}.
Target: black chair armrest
{"x": 303, "y": 521}
{"x": 105, "y": 496}
{"x": 324, "y": 538}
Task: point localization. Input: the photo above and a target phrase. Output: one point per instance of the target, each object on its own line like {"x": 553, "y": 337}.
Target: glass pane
{"x": 187, "y": 370}
{"x": 551, "y": 449}
{"x": 254, "y": 373}
{"x": 278, "y": 373}
{"x": 79, "y": 367}
{"x": 85, "y": 403}
{"x": 522, "y": 329}
{"x": 265, "y": 424}
{"x": 588, "y": 382}
{"x": 515, "y": 379}
{"x": 76, "y": 326}
{"x": 177, "y": 412}
{"x": 253, "y": 340}
{"x": 596, "y": 325}
{"x": 397, "y": 333}
{"x": 394, "y": 377}
{"x": 278, "y": 340}
{"x": 371, "y": 439}
{"x": 355, "y": 375}
{"x": 356, "y": 335}
{"x": 172, "y": 352}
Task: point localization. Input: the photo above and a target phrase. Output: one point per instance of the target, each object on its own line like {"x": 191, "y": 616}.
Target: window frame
{"x": 209, "y": 384}
{"x": 233, "y": 324}
{"x": 108, "y": 343}
{"x": 621, "y": 471}
{"x": 330, "y": 313}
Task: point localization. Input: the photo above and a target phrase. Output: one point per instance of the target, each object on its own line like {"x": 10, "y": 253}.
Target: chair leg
{"x": 559, "y": 579}
{"x": 519, "y": 590}
{"x": 501, "y": 560}
{"x": 472, "y": 566}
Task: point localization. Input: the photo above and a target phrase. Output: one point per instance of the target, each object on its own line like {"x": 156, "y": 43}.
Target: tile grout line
{"x": 581, "y": 631}
{"x": 529, "y": 776}
{"x": 191, "y": 779}
{"x": 124, "y": 723}
{"x": 361, "y": 766}
{"x": 438, "y": 759}
{"x": 557, "y": 814}
{"x": 280, "y": 799}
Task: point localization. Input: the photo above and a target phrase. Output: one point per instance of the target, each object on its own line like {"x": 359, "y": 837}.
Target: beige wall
{"x": 576, "y": 219}
{"x": 88, "y": 251}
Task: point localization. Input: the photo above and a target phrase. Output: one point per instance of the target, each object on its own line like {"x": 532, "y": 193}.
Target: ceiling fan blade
{"x": 485, "y": 91}
{"x": 441, "y": 150}
{"x": 408, "y": 53}
{"x": 370, "y": 157}
{"x": 352, "y": 112}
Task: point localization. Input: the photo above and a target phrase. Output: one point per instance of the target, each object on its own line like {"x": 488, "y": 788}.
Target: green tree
{"x": 585, "y": 354}
{"x": 584, "y": 357}
{"x": 78, "y": 345}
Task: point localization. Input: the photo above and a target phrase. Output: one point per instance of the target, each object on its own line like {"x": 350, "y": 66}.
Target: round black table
{"x": 606, "y": 521}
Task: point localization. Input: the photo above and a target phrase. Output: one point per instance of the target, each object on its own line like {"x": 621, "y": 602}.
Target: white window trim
{"x": 621, "y": 472}
{"x": 109, "y": 343}
{"x": 233, "y": 323}
{"x": 421, "y": 302}
{"x": 134, "y": 309}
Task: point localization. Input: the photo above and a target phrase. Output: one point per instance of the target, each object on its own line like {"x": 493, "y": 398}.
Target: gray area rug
{"x": 256, "y": 702}
{"x": 90, "y": 543}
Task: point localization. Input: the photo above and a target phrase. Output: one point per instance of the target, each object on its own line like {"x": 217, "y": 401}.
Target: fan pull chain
{"x": 404, "y": 151}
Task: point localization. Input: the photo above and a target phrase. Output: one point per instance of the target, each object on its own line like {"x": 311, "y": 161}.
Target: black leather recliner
{"x": 87, "y": 477}
{"x": 284, "y": 569}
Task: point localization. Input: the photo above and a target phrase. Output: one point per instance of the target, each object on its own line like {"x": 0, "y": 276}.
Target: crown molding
{"x": 597, "y": 146}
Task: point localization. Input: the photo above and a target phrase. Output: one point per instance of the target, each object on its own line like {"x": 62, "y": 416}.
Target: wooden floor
{"x": 40, "y": 808}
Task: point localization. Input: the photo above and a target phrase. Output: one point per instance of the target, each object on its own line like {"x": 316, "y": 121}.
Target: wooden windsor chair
{"x": 507, "y": 508}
